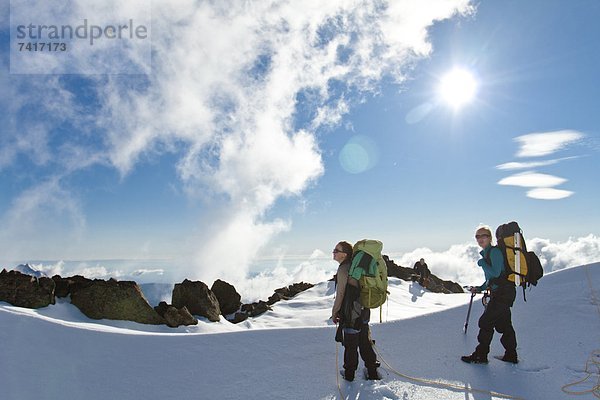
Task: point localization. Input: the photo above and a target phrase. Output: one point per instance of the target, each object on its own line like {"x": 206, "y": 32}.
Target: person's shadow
{"x": 416, "y": 290}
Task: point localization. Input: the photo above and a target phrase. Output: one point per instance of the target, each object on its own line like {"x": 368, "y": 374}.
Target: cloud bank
{"x": 458, "y": 263}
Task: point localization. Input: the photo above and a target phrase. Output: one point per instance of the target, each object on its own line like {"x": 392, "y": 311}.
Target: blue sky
{"x": 438, "y": 178}
{"x": 229, "y": 149}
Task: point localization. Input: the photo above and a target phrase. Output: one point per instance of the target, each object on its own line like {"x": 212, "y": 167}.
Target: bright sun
{"x": 458, "y": 87}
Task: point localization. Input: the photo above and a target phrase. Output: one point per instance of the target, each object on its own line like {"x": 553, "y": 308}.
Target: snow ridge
{"x": 289, "y": 352}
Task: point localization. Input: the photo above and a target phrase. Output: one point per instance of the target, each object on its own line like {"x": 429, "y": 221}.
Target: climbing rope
{"x": 594, "y": 357}
{"x": 337, "y": 372}
{"x": 593, "y": 361}
{"x": 441, "y": 384}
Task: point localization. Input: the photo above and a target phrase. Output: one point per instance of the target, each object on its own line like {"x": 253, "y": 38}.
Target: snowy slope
{"x": 289, "y": 352}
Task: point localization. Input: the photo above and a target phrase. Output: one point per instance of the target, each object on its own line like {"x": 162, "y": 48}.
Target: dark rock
{"x": 198, "y": 299}
{"x": 175, "y": 317}
{"x": 398, "y": 271}
{"x": 238, "y": 317}
{"x": 275, "y": 297}
{"x": 66, "y": 286}
{"x": 99, "y": 299}
{"x": 23, "y": 290}
{"x": 229, "y": 299}
{"x": 61, "y": 286}
{"x": 161, "y": 308}
{"x": 260, "y": 307}
{"x": 255, "y": 309}
{"x": 288, "y": 292}
{"x": 438, "y": 285}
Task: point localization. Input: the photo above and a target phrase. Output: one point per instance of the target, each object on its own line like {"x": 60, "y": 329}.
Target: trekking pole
{"x": 469, "y": 312}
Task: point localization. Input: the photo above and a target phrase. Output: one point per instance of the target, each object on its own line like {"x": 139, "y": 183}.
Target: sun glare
{"x": 458, "y": 87}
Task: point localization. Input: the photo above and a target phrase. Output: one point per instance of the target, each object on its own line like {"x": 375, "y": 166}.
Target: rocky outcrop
{"x": 238, "y": 317}
{"x": 124, "y": 300}
{"x": 288, "y": 292}
{"x": 198, "y": 299}
{"x": 434, "y": 284}
{"x": 66, "y": 286}
{"x": 438, "y": 285}
{"x": 398, "y": 271}
{"x": 120, "y": 300}
{"x": 229, "y": 299}
{"x": 175, "y": 317}
{"x": 26, "y": 291}
{"x": 256, "y": 308}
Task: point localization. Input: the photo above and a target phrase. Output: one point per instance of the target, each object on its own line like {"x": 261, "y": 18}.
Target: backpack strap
{"x": 501, "y": 280}
{"x": 364, "y": 259}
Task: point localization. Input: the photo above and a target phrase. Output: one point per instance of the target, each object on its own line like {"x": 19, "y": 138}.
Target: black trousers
{"x": 497, "y": 316}
{"x": 355, "y": 342}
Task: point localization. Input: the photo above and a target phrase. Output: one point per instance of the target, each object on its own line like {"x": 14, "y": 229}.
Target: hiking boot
{"x": 347, "y": 375}
{"x": 372, "y": 374}
{"x": 510, "y": 358}
{"x": 475, "y": 359}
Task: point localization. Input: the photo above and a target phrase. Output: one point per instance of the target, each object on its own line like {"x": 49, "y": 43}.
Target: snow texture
{"x": 289, "y": 353}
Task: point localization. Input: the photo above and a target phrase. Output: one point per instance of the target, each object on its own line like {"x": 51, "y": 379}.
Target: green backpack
{"x": 369, "y": 269}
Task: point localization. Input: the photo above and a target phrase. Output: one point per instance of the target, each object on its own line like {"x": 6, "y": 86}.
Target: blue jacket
{"x": 494, "y": 254}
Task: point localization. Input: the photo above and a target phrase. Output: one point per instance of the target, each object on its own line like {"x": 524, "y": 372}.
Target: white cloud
{"x": 573, "y": 252}
{"x": 532, "y": 179}
{"x": 228, "y": 92}
{"x": 26, "y": 137}
{"x": 545, "y": 143}
{"x": 531, "y": 164}
{"x": 538, "y": 145}
{"x": 262, "y": 285}
{"x": 50, "y": 269}
{"x": 458, "y": 263}
{"x": 140, "y": 272}
{"x": 223, "y": 97}
{"x": 548, "y": 193}
{"x": 43, "y": 221}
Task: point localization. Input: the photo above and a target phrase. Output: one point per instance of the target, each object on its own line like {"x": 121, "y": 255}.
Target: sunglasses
{"x": 337, "y": 251}
{"x": 482, "y": 236}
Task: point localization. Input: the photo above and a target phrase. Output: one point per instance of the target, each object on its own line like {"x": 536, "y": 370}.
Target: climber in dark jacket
{"x": 422, "y": 270}
{"x": 497, "y": 313}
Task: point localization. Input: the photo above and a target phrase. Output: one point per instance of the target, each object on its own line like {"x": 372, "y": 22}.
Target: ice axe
{"x": 469, "y": 311}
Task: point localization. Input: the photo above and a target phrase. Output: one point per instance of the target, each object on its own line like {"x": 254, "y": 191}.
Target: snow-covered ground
{"x": 289, "y": 353}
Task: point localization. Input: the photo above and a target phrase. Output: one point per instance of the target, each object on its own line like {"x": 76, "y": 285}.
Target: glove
{"x": 481, "y": 262}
